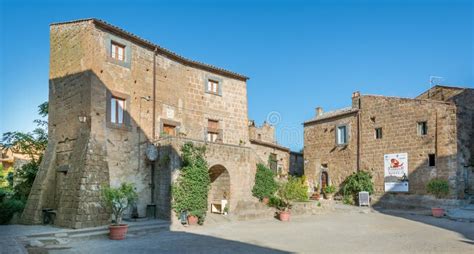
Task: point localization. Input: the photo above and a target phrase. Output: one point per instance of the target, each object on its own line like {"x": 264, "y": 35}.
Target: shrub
{"x": 438, "y": 187}
{"x": 265, "y": 185}
{"x": 329, "y": 189}
{"x": 9, "y": 207}
{"x": 192, "y": 186}
{"x": 119, "y": 199}
{"x": 348, "y": 200}
{"x": 357, "y": 182}
{"x": 292, "y": 190}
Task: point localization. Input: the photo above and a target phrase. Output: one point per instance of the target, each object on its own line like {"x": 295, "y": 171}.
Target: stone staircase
{"x": 59, "y": 239}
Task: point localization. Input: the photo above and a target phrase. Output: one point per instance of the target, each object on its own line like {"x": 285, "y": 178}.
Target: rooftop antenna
{"x": 434, "y": 81}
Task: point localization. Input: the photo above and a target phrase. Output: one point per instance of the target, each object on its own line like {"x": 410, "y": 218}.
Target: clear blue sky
{"x": 298, "y": 54}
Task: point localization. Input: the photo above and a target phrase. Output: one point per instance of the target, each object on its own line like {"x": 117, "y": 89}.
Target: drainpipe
{"x": 154, "y": 95}
{"x": 356, "y": 95}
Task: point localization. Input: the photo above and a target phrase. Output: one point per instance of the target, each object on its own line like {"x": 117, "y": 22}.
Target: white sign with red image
{"x": 396, "y": 172}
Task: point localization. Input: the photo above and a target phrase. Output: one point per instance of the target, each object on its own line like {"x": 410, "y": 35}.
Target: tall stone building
{"x": 433, "y": 133}
{"x": 111, "y": 95}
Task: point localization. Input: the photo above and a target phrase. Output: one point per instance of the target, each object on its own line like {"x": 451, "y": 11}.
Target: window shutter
{"x": 219, "y": 87}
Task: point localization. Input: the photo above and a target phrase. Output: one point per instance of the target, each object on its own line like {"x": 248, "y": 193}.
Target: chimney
{"x": 319, "y": 111}
{"x": 355, "y": 94}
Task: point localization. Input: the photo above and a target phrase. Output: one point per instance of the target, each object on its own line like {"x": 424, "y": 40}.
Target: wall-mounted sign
{"x": 151, "y": 152}
{"x": 396, "y": 172}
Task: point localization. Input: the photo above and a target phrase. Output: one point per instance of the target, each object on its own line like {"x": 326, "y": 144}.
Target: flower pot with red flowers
{"x": 439, "y": 188}
{"x": 118, "y": 200}
{"x": 193, "y": 220}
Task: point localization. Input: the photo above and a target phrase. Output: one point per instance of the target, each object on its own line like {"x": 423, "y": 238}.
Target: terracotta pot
{"x": 317, "y": 196}
{"x": 328, "y": 196}
{"x": 284, "y": 215}
{"x": 118, "y": 232}
{"x": 193, "y": 220}
{"x": 437, "y": 212}
{"x": 265, "y": 200}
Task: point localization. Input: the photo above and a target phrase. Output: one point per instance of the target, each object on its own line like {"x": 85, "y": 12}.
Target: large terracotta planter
{"x": 265, "y": 200}
{"x": 437, "y": 212}
{"x": 284, "y": 215}
{"x": 192, "y": 220}
{"x": 329, "y": 196}
{"x": 118, "y": 232}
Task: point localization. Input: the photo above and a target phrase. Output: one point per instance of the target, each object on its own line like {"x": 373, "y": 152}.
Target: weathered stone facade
{"x": 262, "y": 140}
{"x": 163, "y": 95}
{"x": 398, "y": 118}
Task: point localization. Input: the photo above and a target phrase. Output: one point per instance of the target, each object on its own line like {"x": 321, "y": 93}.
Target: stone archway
{"x": 220, "y": 187}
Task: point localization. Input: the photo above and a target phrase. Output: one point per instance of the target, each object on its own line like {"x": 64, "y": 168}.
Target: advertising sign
{"x": 396, "y": 172}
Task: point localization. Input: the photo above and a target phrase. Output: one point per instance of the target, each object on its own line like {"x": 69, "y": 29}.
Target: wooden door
{"x": 324, "y": 180}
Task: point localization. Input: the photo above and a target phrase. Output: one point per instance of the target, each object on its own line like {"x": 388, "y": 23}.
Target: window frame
{"x": 176, "y": 124}
{"x": 215, "y": 133}
{"x": 117, "y": 45}
{"x": 422, "y": 128}
{"x": 125, "y": 124}
{"x": 218, "y": 81}
{"x": 431, "y": 160}
{"x": 378, "y": 131}
{"x": 346, "y": 126}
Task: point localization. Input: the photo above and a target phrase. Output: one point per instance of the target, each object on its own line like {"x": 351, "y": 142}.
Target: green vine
{"x": 192, "y": 186}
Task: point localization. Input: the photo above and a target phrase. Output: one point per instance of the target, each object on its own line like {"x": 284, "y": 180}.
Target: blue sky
{"x": 298, "y": 54}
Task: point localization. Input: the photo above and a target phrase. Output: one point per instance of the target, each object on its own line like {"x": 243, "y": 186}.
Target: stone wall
{"x": 398, "y": 118}
{"x": 84, "y": 155}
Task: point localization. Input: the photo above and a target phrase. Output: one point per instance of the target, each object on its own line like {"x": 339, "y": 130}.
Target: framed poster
{"x": 396, "y": 172}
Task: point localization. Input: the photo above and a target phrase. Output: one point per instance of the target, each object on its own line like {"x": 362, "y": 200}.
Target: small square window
{"x": 341, "y": 135}
{"x": 212, "y": 86}
{"x": 117, "y": 51}
{"x": 378, "y": 133}
{"x": 422, "y": 128}
{"x": 169, "y": 130}
{"x": 431, "y": 160}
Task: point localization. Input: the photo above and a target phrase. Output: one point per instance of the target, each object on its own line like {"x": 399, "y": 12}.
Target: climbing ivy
{"x": 192, "y": 186}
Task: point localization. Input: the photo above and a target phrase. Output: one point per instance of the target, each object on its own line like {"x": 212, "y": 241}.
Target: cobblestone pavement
{"x": 350, "y": 231}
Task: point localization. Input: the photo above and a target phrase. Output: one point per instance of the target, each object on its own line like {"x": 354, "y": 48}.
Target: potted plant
{"x": 118, "y": 200}
{"x": 440, "y": 189}
{"x": 317, "y": 193}
{"x": 265, "y": 184}
{"x": 329, "y": 191}
{"x": 294, "y": 189}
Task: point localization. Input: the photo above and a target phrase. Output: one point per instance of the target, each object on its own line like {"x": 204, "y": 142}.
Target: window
{"x": 431, "y": 160}
{"x": 212, "y": 86}
{"x": 378, "y": 133}
{"x": 272, "y": 162}
{"x": 341, "y": 135}
{"x": 117, "y": 51}
{"x": 169, "y": 130}
{"x": 213, "y": 131}
{"x": 117, "y": 108}
{"x": 422, "y": 128}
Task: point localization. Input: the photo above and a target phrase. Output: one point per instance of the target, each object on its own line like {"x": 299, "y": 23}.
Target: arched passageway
{"x": 219, "y": 193}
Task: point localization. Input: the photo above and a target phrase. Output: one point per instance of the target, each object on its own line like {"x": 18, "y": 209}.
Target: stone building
{"x": 111, "y": 95}
{"x": 434, "y": 130}
{"x": 262, "y": 140}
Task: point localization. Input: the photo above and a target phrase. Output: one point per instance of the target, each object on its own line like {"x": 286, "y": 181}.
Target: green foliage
{"x": 119, "y": 199}
{"x": 438, "y": 187}
{"x": 294, "y": 189}
{"x": 357, "y": 182}
{"x": 329, "y": 189}
{"x": 24, "y": 178}
{"x": 8, "y": 207}
{"x": 348, "y": 200}
{"x": 265, "y": 185}
{"x": 192, "y": 186}
{"x": 6, "y": 176}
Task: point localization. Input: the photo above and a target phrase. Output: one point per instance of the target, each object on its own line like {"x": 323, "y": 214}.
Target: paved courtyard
{"x": 349, "y": 231}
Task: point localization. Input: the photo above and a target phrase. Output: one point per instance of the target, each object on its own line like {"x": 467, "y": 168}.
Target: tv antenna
{"x": 435, "y": 80}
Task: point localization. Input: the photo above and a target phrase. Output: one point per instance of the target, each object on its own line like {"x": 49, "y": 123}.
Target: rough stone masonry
{"x": 111, "y": 94}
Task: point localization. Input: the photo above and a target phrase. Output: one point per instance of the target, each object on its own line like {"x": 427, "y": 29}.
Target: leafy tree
{"x": 15, "y": 190}
{"x": 119, "y": 199}
{"x": 192, "y": 186}
{"x": 265, "y": 185}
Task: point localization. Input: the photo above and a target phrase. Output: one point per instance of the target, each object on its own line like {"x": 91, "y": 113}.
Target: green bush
{"x": 329, "y": 189}
{"x": 192, "y": 186}
{"x": 119, "y": 199}
{"x": 292, "y": 190}
{"x": 348, "y": 200}
{"x": 265, "y": 185}
{"x": 357, "y": 182}
{"x": 438, "y": 187}
{"x": 9, "y": 207}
